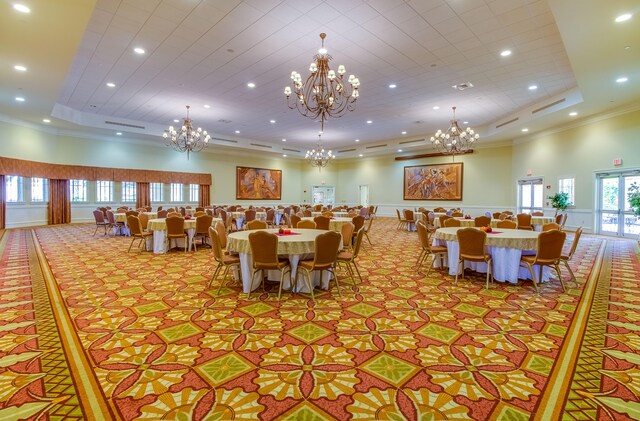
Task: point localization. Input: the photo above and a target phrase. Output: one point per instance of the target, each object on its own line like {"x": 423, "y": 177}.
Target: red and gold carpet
{"x": 88, "y": 331}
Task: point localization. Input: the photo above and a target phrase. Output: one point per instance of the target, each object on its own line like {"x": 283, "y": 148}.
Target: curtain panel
{"x": 143, "y": 195}
{"x": 3, "y": 204}
{"x": 205, "y": 195}
{"x": 59, "y": 202}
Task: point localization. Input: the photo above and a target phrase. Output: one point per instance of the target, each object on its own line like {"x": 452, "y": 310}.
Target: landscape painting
{"x": 433, "y": 182}
{"x": 258, "y": 184}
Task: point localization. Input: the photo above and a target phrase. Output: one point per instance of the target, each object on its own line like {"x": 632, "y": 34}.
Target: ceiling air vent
{"x": 290, "y": 150}
{"x": 560, "y": 101}
{"x": 376, "y": 146}
{"x": 347, "y": 150}
{"x": 513, "y": 120}
{"x": 133, "y": 126}
{"x": 225, "y": 140}
{"x": 261, "y": 146}
{"x": 408, "y": 142}
{"x": 462, "y": 86}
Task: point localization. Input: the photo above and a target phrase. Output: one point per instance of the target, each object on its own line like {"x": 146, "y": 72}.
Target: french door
{"x": 530, "y": 195}
{"x": 614, "y": 215}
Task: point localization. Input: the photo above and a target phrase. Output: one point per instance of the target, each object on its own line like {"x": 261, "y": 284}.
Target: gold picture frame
{"x": 258, "y": 184}
{"x": 433, "y": 182}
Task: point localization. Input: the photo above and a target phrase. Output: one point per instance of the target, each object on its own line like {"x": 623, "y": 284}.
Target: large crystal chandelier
{"x": 454, "y": 140}
{"x": 324, "y": 94}
{"x": 319, "y": 157}
{"x": 187, "y": 139}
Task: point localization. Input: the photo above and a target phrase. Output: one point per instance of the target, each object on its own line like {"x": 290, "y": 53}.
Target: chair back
{"x": 249, "y": 215}
{"x": 503, "y": 216}
{"x": 134, "y": 225}
{"x": 148, "y": 208}
{"x": 347, "y": 234}
{"x": 183, "y": 211}
{"x": 506, "y": 224}
{"x": 257, "y": 225}
{"x": 294, "y": 219}
{"x": 306, "y": 223}
{"x": 457, "y": 214}
{"x": 508, "y": 212}
{"x": 471, "y": 242}
{"x": 564, "y": 220}
{"x": 423, "y": 235}
{"x": 452, "y": 222}
{"x": 223, "y": 215}
{"x": 131, "y": 212}
{"x": 408, "y": 214}
{"x": 203, "y": 222}
{"x": 199, "y": 213}
{"x": 328, "y": 214}
{"x": 170, "y": 214}
{"x": 550, "y": 245}
{"x": 496, "y": 215}
{"x": 162, "y": 213}
{"x": 326, "y": 249}
{"x": 482, "y": 221}
{"x": 537, "y": 213}
{"x": 175, "y": 225}
{"x": 144, "y": 220}
{"x": 110, "y": 217}
{"x": 443, "y": 219}
{"x": 524, "y": 221}
{"x": 398, "y": 212}
{"x": 358, "y": 222}
{"x": 358, "y": 243}
{"x": 550, "y": 226}
{"x": 159, "y": 209}
{"x": 440, "y": 209}
{"x": 271, "y": 215}
{"x": 199, "y": 208}
{"x": 317, "y": 208}
{"x": 574, "y": 245}
{"x": 216, "y": 244}
{"x": 264, "y": 248}
{"x": 104, "y": 211}
{"x": 322, "y": 222}
{"x": 99, "y": 216}
{"x": 307, "y": 213}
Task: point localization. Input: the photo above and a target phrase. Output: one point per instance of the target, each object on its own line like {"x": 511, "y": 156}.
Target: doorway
{"x": 364, "y": 195}
{"x": 613, "y": 213}
{"x": 323, "y": 195}
{"x": 530, "y": 195}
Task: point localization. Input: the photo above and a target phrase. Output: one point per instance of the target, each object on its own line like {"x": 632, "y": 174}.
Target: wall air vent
{"x": 408, "y": 142}
{"x": 347, "y": 150}
{"x": 513, "y": 120}
{"x": 261, "y": 146}
{"x": 225, "y": 140}
{"x": 376, "y": 146}
{"x": 560, "y": 101}
{"x": 133, "y": 126}
{"x": 290, "y": 150}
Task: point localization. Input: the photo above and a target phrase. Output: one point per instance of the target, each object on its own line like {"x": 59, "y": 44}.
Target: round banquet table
{"x": 336, "y": 214}
{"x": 295, "y": 247}
{"x": 239, "y": 217}
{"x": 506, "y": 246}
{"x": 539, "y": 221}
{"x": 465, "y": 223}
{"x": 335, "y": 224}
{"x": 159, "y": 228}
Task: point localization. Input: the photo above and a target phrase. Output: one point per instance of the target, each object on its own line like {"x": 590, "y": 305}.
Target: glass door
{"x": 364, "y": 195}
{"x": 614, "y": 215}
{"x": 530, "y": 195}
{"x": 324, "y": 195}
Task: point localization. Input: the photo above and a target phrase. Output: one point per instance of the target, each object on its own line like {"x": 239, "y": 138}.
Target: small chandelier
{"x": 454, "y": 140}
{"x": 319, "y": 157}
{"x": 324, "y": 94}
{"x": 187, "y": 139}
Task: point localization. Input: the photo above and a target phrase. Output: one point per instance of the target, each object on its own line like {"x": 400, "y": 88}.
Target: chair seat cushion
{"x": 439, "y": 249}
{"x": 229, "y": 259}
{"x": 475, "y": 258}
{"x": 345, "y": 255}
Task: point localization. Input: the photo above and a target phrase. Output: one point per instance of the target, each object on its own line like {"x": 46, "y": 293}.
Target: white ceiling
{"x": 205, "y": 52}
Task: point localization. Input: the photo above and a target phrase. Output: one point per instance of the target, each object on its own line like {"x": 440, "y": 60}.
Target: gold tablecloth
{"x": 507, "y": 238}
{"x": 303, "y": 243}
{"x": 159, "y": 224}
{"x": 335, "y": 224}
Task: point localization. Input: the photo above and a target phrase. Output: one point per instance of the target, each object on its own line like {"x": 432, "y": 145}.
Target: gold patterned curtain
{"x": 143, "y": 194}
{"x": 3, "y": 204}
{"x": 59, "y": 202}
{"x": 205, "y": 195}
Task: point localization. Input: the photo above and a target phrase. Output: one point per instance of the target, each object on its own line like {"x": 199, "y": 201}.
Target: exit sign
{"x": 617, "y": 161}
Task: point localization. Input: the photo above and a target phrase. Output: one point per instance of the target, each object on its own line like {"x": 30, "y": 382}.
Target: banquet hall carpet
{"x": 89, "y": 331}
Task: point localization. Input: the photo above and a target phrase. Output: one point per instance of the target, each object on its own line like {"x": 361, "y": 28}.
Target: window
{"x": 567, "y": 185}
{"x": 39, "y": 189}
{"x": 78, "y": 190}
{"x": 176, "y": 192}
{"x": 128, "y": 191}
{"x": 156, "y": 192}
{"x": 104, "y": 191}
{"x": 14, "y": 188}
{"x": 194, "y": 192}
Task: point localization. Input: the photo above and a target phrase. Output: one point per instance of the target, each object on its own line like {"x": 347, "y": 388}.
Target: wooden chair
{"x": 256, "y": 225}
{"x": 136, "y": 232}
{"x": 175, "y": 230}
{"x": 264, "y": 248}
{"x": 203, "y": 222}
{"x": 548, "y": 253}
{"x": 144, "y": 220}
{"x": 306, "y": 224}
{"x": 482, "y": 221}
{"x": 564, "y": 220}
{"x": 199, "y": 208}
{"x": 348, "y": 257}
{"x": 271, "y": 218}
{"x": 409, "y": 218}
{"x": 324, "y": 258}
{"x": 428, "y": 250}
{"x": 551, "y": 226}
{"x": 506, "y": 224}
{"x": 496, "y": 215}
{"x": 98, "y": 215}
{"x": 199, "y": 213}
{"x": 113, "y": 223}
{"x": 223, "y": 260}
{"x": 307, "y": 213}
{"x": 322, "y": 222}
{"x": 222, "y": 236}
{"x": 328, "y": 214}
{"x": 471, "y": 244}
{"x": 524, "y": 221}
{"x": 565, "y": 258}
{"x": 367, "y": 227}
{"x": 249, "y": 215}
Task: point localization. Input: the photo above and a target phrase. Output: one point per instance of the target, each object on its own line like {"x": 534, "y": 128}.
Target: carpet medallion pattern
{"x": 142, "y": 337}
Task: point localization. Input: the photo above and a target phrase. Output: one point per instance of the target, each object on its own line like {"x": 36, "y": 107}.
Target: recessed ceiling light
{"x": 138, "y": 50}
{"x": 175, "y": 120}
{"x": 119, "y": 133}
{"x": 533, "y": 87}
{"x": 207, "y": 106}
{"x": 272, "y": 121}
{"x": 369, "y": 121}
{"x": 20, "y": 68}
{"x": 393, "y": 85}
{"x": 284, "y": 155}
{"x": 357, "y": 140}
{"x": 360, "y": 155}
{"x": 399, "y": 150}
{"x": 46, "y": 120}
{"x": 21, "y": 8}
{"x": 251, "y": 85}
{"x": 436, "y": 107}
{"x": 525, "y": 130}
{"x": 622, "y": 79}
{"x": 284, "y": 140}
{"x": 19, "y": 99}
{"x": 573, "y": 113}
{"x": 465, "y": 122}
{"x": 623, "y": 17}
{"x": 404, "y": 132}
{"x": 111, "y": 84}
{"x": 505, "y": 53}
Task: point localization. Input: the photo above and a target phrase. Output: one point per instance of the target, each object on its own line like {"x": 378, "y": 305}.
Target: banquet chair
{"x": 443, "y": 219}
{"x": 144, "y": 220}
{"x": 286, "y": 212}
{"x": 136, "y": 232}
{"x": 112, "y": 222}
{"x": 348, "y": 257}
{"x": 209, "y": 212}
{"x": 307, "y": 213}
{"x": 203, "y": 222}
{"x": 358, "y": 222}
{"x": 496, "y": 215}
{"x": 294, "y": 219}
{"x": 199, "y": 208}
{"x": 506, "y": 224}
{"x": 256, "y": 225}
{"x": 317, "y": 208}
{"x": 347, "y": 234}
{"x": 100, "y": 222}
{"x": 508, "y": 212}
{"x": 222, "y": 236}
{"x": 175, "y": 230}
{"x": 364, "y": 212}
{"x": 452, "y": 222}
{"x": 162, "y": 213}
{"x": 328, "y": 214}
{"x": 482, "y": 221}
{"x": 503, "y": 216}
{"x": 551, "y": 226}
{"x": 306, "y": 223}
{"x": 471, "y": 243}
{"x": 264, "y": 249}
{"x": 457, "y": 214}
{"x": 159, "y": 209}
{"x": 565, "y": 258}
{"x": 564, "y": 220}
{"x": 428, "y": 250}
{"x": 409, "y": 218}
{"x": 548, "y": 253}
{"x": 249, "y": 215}
{"x": 174, "y": 214}
{"x": 524, "y": 221}
{"x": 322, "y": 222}
{"x": 103, "y": 209}
{"x": 367, "y": 227}
{"x": 440, "y": 209}
{"x": 537, "y": 213}
{"x": 223, "y": 260}
{"x": 271, "y": 218}
{"x": 401, "y": 221}
{"x": 199, "y": 213}
{"x": 324, "y": 258}
{"x": 183, "y": 211}
{"x": 131, "y": 212}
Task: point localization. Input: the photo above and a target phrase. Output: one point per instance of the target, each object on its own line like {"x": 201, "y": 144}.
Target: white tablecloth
{"x": 294, "y": 247}
{"x": 539, "y": 221}
{"x": 239, "y": 217}
{"x": 505, "y": 247}
{"x": 159, "y": 228}
{"x": 335, "y": 224}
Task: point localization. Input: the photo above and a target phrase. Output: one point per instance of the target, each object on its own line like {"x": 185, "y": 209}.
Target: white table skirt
{"x": 160, "y": 238}
{"x": 506, "y": 263}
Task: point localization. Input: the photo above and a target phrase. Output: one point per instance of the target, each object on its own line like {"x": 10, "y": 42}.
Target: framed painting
{"x": 433, "y": 182}
{"x": 258, "y": 184}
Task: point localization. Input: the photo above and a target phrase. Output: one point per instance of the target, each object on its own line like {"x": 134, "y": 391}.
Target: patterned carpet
{"x": 88, "y": 331}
